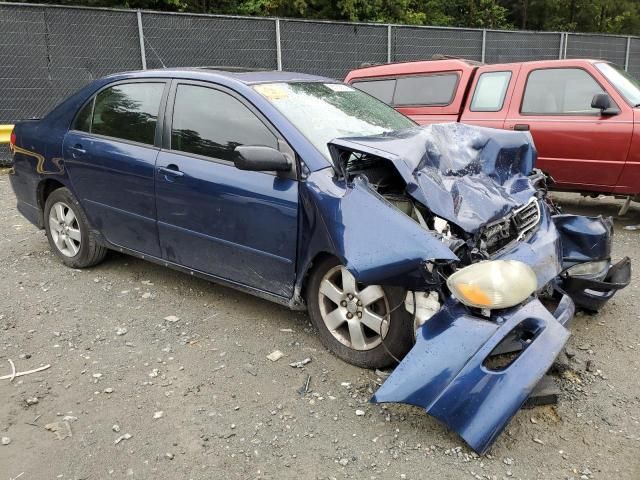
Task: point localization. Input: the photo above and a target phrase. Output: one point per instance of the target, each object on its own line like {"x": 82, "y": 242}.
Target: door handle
{"x": 171, "y": 170}
{"x": 521, "y": 127}
{"x": 78, "y": 149}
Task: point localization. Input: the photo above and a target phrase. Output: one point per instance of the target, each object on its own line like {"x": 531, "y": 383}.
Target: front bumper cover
{"x": 447, "y": 372}
{"x": 592, "y": 294}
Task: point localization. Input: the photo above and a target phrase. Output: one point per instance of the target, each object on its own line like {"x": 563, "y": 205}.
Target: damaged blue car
{"x": 436, "y": 247}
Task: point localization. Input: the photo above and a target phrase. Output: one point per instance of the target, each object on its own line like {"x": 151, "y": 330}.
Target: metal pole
{"x": 143, "y": 54}
{"x": 626, "y": 55}
{"x": 484, "y": 44}
{"x": 561, "y": 46}
{"x": 566, "y": 42}
{"x": 388, "y": 43}
{"x": 278, "y": 45}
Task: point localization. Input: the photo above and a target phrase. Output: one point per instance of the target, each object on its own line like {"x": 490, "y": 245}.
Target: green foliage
{"x": 607, "y": 16}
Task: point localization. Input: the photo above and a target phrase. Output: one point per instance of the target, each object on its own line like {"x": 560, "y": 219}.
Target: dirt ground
{"x": 175, "y": 368}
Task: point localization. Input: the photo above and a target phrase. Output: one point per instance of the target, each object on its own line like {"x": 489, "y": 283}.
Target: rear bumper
{"x": 449, "y": 374}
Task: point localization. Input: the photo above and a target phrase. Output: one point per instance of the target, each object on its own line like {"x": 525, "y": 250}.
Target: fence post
{"x": 278, "y": 45}
{"x": 561, "y": 45}
{"x": 566, "y": 42}
{"x": 388, "y": 43}
{"x": 143, "y": 54}
{"x": 626, "y": 55}
{"x": 484, "y": 44}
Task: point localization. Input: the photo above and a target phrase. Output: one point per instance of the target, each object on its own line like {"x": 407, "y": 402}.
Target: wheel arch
{"x": 305, "y": 274}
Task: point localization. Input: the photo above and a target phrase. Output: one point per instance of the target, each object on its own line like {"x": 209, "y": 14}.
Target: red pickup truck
{"x": 583, "y": 114}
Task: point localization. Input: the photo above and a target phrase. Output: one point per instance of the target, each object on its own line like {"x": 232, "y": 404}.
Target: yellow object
{"x": 5, "y": 133}
{"x": 474, "y": 295}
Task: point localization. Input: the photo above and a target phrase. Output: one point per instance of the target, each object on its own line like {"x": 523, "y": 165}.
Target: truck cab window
{"x": 560, "y": 91}
{"x": 490, "y": 92}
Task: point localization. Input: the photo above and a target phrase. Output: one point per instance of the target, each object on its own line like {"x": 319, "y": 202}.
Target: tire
{"x": 69, "y": 234}
{"x": 326, "y": 302}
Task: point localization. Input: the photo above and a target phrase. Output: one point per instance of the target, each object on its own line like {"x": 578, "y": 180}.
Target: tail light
{"x": 12, "y": 139}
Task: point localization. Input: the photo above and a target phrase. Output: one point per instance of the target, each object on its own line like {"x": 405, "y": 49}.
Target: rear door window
{"x": 490, "y": 92}
{"x": 560, "y": 91}
{"x": 212, "y": 123}
{"x": 127, "y": 111}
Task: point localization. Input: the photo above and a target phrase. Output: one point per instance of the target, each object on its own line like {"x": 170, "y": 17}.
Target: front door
{"x": 237, "y": 225}
{"x": 110, "y": 155}
{"x": 577, "y": 145}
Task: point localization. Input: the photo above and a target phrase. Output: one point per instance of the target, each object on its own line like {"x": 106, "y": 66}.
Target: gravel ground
{"x": 175, "y": 368}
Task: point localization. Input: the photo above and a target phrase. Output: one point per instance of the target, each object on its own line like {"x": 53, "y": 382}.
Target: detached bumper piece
{"x": 592, "y": 294}
{"x": 451, "y": 372}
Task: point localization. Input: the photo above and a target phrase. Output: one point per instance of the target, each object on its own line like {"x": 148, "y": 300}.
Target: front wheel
{"x": 68, "y": 231}
{"x": 364, "y": 325}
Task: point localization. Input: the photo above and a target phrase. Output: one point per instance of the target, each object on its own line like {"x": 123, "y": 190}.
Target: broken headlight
{"x": 493, "y": 284}
{"x": 588, "y": 269}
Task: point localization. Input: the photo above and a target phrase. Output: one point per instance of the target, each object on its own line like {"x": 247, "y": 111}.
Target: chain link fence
{"x": 48, "y": 52}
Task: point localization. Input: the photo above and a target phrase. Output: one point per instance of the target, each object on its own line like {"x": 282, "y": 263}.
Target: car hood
{"x": 467, "y": 175}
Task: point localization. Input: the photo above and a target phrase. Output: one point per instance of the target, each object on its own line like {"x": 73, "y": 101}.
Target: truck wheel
{"x": 362, "y": 325}
{"x": 68, "y": 231}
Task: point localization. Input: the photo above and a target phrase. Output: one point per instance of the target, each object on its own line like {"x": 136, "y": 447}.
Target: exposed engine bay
{"x": 490, "y": 239}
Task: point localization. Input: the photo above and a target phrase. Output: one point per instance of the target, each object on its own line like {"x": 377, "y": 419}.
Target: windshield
{"x": 625, "y": 84}
{"x": 324, "y": 111}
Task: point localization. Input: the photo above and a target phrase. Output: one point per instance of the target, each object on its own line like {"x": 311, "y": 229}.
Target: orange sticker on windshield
{"x": 271, "y": 92}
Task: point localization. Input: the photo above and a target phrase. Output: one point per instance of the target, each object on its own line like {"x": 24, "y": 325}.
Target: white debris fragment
{"x": 61, "y": 429}
{"x": 31, "y": 401}
{"x": 275, "y": 355}
{"x": 126, "y": 436}
{"x": 158, "y": 414}
{"x": 6, "y": 440}
{"x": 116, "y": 428}
{"x": 97, "y": 375}
{"x": 154, "y": 373}
{"x": 360, "y": 413}
{"x": 121, "y": 331}
{"x": 172, "y": 318}
{"x": 301, "y": 363}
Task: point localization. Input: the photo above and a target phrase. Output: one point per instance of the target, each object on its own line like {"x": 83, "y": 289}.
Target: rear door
{"x": 490, "y": 96}
{"x": 577, "y": 145}
{"x": 110, "y": 154}
{"x": 237, "y": 225}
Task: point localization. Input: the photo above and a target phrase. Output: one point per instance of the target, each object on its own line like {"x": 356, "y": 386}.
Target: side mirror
{"x": 260, "y": 159}
{"x": 603, "y": 102}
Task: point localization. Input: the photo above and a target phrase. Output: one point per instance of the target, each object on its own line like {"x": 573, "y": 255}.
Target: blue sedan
{"x": 433, "y": 247}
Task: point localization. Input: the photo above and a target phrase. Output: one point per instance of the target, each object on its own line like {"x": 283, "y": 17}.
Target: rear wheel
{"x": 361, "y": 324}
{"x": 68, "y": 231}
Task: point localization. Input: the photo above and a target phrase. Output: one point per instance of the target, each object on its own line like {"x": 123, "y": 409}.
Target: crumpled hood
{"x": 467, "y": 175}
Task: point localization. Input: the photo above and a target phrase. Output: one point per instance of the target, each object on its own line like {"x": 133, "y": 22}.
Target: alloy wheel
{"x": 64, "y": 228}
{"x": 356, "y": 316}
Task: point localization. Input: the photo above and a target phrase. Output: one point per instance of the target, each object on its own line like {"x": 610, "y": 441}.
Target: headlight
{"x": 493, "y": 284}
{"x": 588, "y": 269}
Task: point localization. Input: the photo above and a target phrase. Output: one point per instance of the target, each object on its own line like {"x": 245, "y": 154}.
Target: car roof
{"x": 233, "y": 75}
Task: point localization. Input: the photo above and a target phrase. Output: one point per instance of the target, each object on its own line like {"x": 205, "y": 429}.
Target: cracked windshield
{"x": 324, "y": 111}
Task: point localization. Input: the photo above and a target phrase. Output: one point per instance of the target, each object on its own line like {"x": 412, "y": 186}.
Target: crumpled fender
{"x": 588, "y": 239}
{"x": 375, "y": 241}
{"x": 584, "y": 239}
{"x": 445, "y": 373}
